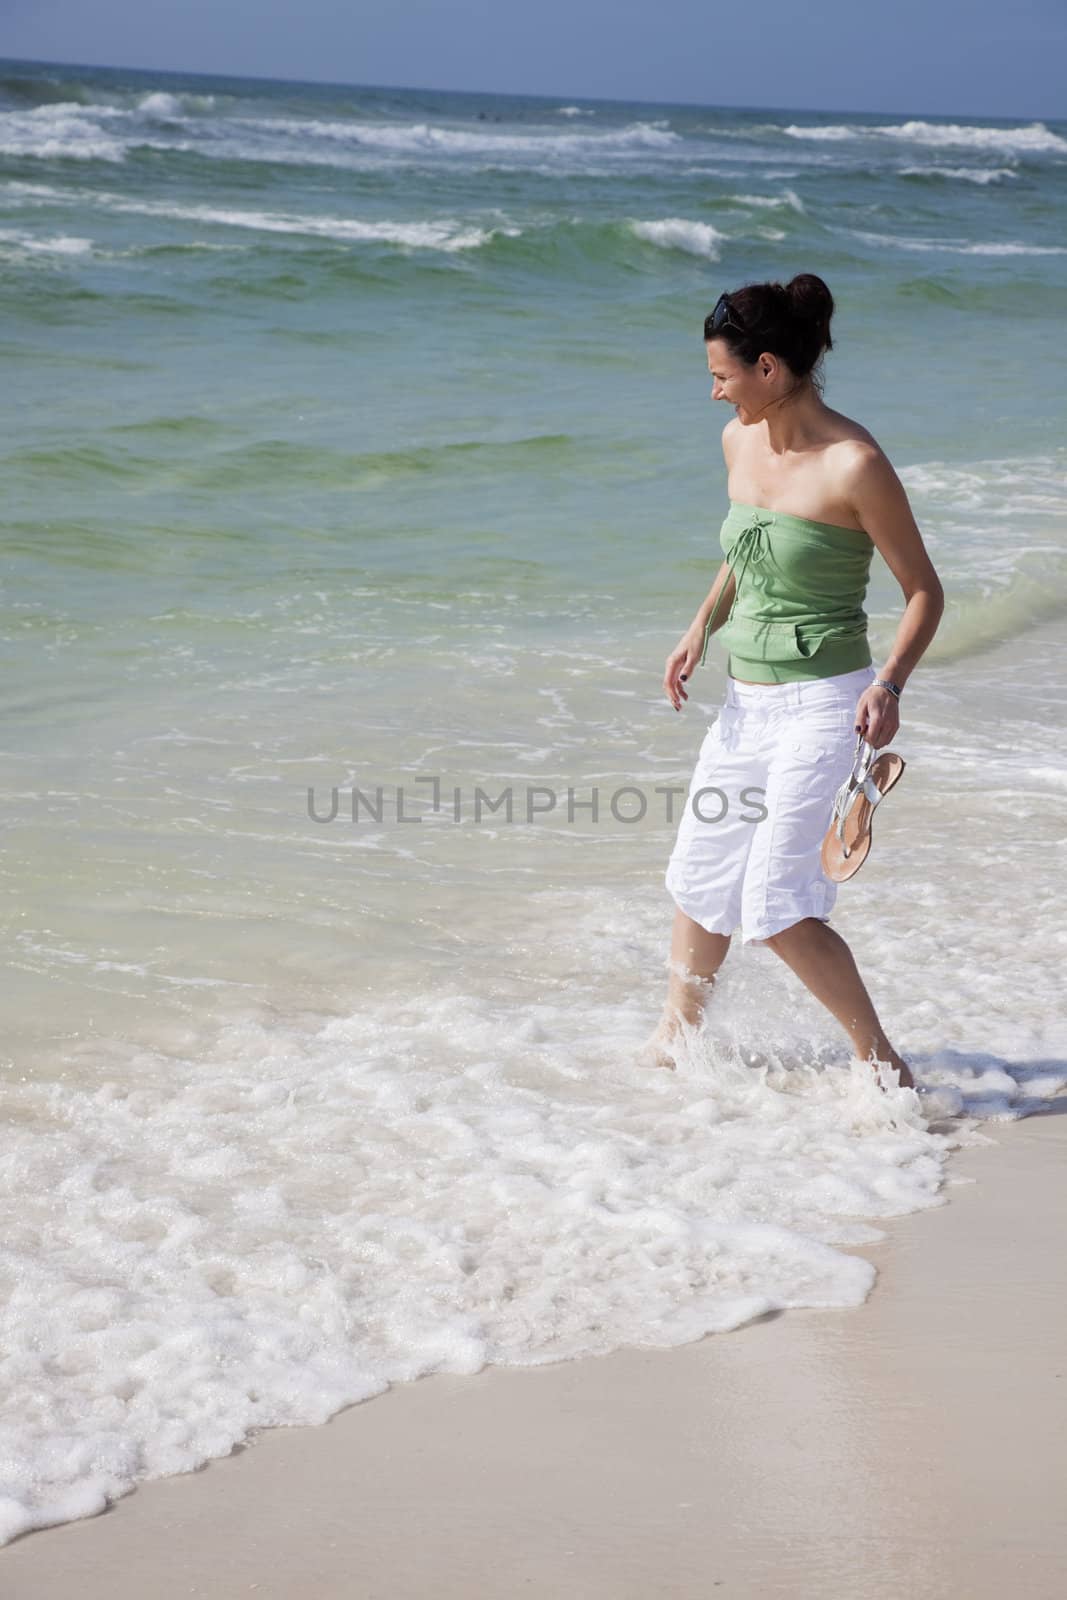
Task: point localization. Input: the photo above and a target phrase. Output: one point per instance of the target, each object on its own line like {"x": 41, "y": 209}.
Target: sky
{"x": 934, "y": 57}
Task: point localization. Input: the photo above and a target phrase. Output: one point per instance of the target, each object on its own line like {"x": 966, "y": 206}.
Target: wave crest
{"x": 679, "y": 233}
{"x": 1033, "y": 139}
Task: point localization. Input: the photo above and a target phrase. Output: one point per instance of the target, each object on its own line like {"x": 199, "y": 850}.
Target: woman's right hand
{"x": 681, "y": 661}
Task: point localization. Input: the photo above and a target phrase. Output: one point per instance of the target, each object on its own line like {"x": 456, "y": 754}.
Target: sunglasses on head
{"x": 723, "y": 316}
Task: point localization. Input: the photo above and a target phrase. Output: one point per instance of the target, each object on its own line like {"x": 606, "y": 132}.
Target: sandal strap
{"x": 859, "y": 781}
{"x": 872, "y": 791}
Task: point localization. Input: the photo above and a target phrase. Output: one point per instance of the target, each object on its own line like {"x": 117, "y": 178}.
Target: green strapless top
{"x": 798, "y": 601}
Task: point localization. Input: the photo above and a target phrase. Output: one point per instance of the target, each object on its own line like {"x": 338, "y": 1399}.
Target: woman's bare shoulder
{"x": 857, "y": 466}
{"x": 847, "y": 436}
{"x": 730, "y": 435}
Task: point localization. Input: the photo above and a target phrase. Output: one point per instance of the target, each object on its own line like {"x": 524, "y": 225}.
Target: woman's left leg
{"x": 825, "y": 965}
{"x": 787, "y": 896}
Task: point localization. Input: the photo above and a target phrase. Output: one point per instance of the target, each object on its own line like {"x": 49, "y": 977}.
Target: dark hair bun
{"x": 812, "y": 302}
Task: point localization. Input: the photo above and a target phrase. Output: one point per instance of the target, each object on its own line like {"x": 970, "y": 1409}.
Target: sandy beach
{"x": 913, "y": 1446}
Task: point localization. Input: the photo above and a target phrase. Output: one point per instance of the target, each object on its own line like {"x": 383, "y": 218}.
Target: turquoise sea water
{"x": 362, "y": 437}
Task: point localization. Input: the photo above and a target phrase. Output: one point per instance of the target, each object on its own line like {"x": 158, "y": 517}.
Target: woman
{"x": 812, "y": 496}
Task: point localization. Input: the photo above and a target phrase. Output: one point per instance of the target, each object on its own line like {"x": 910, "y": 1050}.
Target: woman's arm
{"x": 881, "y": 505}
{"x": 690, "y": 647}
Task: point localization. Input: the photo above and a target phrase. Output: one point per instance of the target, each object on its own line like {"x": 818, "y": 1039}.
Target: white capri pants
{"x": 760, "y": 802}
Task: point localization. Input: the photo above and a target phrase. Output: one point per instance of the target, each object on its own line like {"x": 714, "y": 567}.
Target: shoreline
{"x": 912, "y": 1446}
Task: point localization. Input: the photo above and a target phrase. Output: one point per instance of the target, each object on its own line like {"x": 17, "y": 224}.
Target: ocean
{"x": 360, "y": 461}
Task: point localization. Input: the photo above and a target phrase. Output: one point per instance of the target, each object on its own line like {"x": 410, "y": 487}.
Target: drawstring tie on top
{"x": 756, "y": 549}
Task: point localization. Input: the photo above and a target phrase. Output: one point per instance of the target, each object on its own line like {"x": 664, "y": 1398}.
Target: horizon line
{"x": 515, "y": 94}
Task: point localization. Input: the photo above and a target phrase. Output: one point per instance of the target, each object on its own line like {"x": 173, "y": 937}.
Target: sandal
{"x": 848, "y": 839}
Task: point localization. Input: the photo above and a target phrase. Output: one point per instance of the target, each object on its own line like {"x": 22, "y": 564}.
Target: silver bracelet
{"x": 884, "y": 683}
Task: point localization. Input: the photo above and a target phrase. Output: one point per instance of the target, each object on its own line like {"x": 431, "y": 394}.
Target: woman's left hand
{"x": 878, "y": 716}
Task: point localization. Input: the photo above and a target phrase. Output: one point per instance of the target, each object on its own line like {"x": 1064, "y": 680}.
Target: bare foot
{"x": 906, "y": 1079}
{"x": 654, "y": 1052}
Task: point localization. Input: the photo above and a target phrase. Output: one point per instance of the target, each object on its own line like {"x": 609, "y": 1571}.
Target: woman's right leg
{"x": 696, "y": 956}
{"x": 706, "y": 870}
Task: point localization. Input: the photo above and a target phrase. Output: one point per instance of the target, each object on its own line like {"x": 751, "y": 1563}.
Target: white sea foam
{"x": 173, "y": 106}
{"x": 303, "y": 1219}
{"x": 59, "y": 131}
{"x": 438, "y": 233}
{"x": 790, "y": 198}
{"x": 981, "y": 175}
{"x": 1035, "y": 138}
{"x": 423, "y": 138}
{"x": 160, "y": 104}
{"x": 1014, "y": 248}
{"x": 442, "y": 233}
{"x": 827, "y": 132}
{"x": 1024, "y": 486}
{"x": 574, "y": 111}
{"x": 98, "y": 132}
{"x": 959, "y": 247}
{"x": 38, "y": 191}
{"x": 679, "y": 233}
{"x": 13, "y": 242}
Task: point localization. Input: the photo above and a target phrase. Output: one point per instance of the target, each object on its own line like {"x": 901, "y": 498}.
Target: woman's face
{"x": 741, "y": 386}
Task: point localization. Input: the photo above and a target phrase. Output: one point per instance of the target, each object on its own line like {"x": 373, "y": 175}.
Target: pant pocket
{"x": 818, "y": 754}
{"x": 828, "y": 725}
